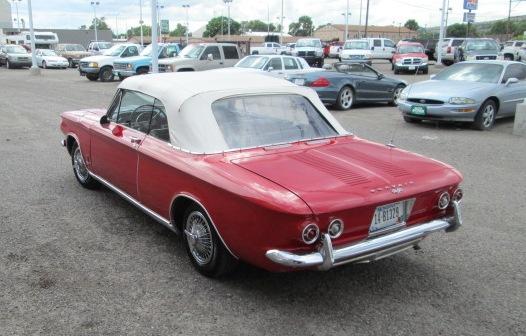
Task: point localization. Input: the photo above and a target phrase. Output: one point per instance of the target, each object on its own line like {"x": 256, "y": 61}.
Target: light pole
{"x": 187, "y": 7}
{"x": 141, "y": 22}
{"x": 17, "y": 16}
{"x": 282, "y": 17}
{"x": 95, "y": 4}
{"x": 35, "y": 70}
{"x": 155, "y": 45}
{"x": 367, "y": 19}
{"x": 346, "y": 22}
{"x": 441, "y": 34}
{"x": 360, "y": 21}
{"x": 227, "y": 3}
{"x": 159, "y": 7}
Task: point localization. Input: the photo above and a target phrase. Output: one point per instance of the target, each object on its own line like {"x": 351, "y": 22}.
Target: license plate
{"x": 411, "y": 68}
{"x": 299, "y": 81}
{"x": 418, "y": 110}
{"x": 390, "y": 214}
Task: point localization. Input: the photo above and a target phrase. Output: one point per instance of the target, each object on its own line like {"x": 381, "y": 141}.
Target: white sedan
{"x": 49, "y": 59}
{"x": 276, "y": 65}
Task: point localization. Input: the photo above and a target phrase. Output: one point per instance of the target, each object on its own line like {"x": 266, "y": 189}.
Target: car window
{"x": 358, "y": 69}
{"x": 274, "y": 63}
{"x": 159, "y": 122}
{"x": 131, "y": 51}
{"x": 135, "y": 110}
{"x": 113, "y": 111}
{"x": 519, "y": 44}
{"x": 389, "y": 44}
{"x": 230, "y": 52}
{"x": 290, "y": 63}
{"x": 172, "y": 50}
{"x": 456, "y": 43}
{"x": 377, "y": 43}
{"x": 515, "y": 71}
{"x": 214, "y": 50}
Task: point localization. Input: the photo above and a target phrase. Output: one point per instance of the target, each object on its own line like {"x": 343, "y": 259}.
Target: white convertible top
{"x": 188, "y": 97}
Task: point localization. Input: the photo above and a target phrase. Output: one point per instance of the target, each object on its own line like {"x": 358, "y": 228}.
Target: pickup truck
{"x": 101, "y": 66}
{"x": 311, "y": 50}
{"x": 141, "y": 64}
{"x": 269, "y": 48}
{"x": 202, "y": 56}
{"x": 511, "y": 51}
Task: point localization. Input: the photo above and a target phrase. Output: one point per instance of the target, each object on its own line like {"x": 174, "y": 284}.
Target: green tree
{"x": 460, "y": 30}
{"x": 257, "y": 26}
{"x": 500, "y": 27}
{"x": 180, "y": 30}
{"x": 411, "y": 25}
{"x": 304, "y": 27}
{"x": 213, "y": 27}
{"x": 83, "y": 27}
{"x": 136, "y": 31}
{"x": 101, "y": 24}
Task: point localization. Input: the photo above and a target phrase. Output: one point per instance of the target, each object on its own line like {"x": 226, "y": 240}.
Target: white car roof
{"x": 188, "y": 97}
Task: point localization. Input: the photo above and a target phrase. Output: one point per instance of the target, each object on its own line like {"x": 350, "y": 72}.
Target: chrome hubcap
{"x": 488, "y": 115}
{"x": 199, "y": 238}
{"x": 79, "y": 166}
{"x": 346, "y": 98}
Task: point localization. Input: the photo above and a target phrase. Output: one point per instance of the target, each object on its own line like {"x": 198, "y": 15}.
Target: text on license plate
{"x": 390, "y": 214}
{"x": 411, "y": 68}
{"x": 418, "y": 110}
{"x": 299, "y": 81}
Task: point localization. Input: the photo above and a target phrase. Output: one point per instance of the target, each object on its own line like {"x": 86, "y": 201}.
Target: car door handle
{"x": 135, "y": 140}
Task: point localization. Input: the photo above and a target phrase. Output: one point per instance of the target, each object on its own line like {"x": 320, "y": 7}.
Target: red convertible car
{"x": 256, "y": 169}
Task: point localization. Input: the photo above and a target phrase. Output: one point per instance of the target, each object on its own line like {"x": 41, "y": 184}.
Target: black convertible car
{"x": 349, "y": 83}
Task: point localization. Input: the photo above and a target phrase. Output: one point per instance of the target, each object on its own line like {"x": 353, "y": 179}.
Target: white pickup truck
{"x": 269, "y": 48}
{"x": 101, "y": 66}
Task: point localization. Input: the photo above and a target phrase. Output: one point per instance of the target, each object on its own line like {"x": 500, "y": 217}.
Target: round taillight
{"x": 443, "y": 201}
{"x": 336, "y": 228}
{"x": 458, "y": 194}
{"x": 310, "y": 234}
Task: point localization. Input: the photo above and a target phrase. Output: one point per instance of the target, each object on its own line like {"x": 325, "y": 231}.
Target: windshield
{"x": 254, "y": 62}
{"x": 408, "y": 49}
{"x": 254, "y": 121}
{"x": 361, "y": 45}
{"x": 192, "y": 51}
{"x": 308, "y": 43}
{"x": 115, "y": 50}
{"x": 16, "y": 49}
{"x": 481, "y": 45}
{"x": 75, "y": 47}
{"x": 46, "y": 52}
{"x": 472, "y": 72}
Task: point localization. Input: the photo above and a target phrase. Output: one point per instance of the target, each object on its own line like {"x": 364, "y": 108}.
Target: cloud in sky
{"x": 124, "y": 13}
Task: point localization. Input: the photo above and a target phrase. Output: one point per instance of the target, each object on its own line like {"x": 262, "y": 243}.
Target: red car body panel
{"x": 262, "y": 198}
{"x": 397, "y": 55}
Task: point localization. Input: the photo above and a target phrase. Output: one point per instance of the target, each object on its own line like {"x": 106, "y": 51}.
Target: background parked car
{"x": 382, "y": 48}
{"x": 98, "y": 47}
{"x": 72, "y": 52}
{"x": 448, "y": 48}
{"x": 14, "y": 56}
{"x": 311, "y": 49}
{"x": 356, "y": 51}
{"x": 49, "y": 59}
{"x": 474, "y": 49}
{"x": 477, "y": 92}
{"x": 410, "y": 56}
{"x": 334, "y": 49}
{"x": 203, "y": 56}
{"x": 101, "y": 66}
{"x": 268, "y": 48}
{"x": 349, "y": 83}
{"x": 289, "y": 48}
{"x": 140, "y": 65}
{"x": 511, "y": 50}
{"x": 276, "y": 65}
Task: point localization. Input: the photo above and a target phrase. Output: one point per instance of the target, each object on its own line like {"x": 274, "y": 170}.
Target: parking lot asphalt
{"x": 79, "y": 262}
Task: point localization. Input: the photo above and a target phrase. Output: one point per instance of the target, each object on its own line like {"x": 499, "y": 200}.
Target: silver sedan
{"x": 477, "y": 92}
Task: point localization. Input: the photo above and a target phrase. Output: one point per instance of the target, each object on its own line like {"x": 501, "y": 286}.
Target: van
{"x": 382, "y": 48}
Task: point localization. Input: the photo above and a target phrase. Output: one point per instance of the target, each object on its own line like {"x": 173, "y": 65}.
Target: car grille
{"x": 412, "y": 61}
{"x": 23, "y": 59}
{"x": 84, "y": 64}
{"x": 162, "y": 67}
{"x": 425, "y": 101}
{"x": 486, "y": 57}
{"x": 120, "y": 66}
{"x": 356, "y": 57}
{"x": 305, "y": 53}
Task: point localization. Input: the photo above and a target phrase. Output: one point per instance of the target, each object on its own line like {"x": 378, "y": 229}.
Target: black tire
{"x": 8, "y": 64}
{"x": 142, "y": 71}
{"x": 411, "y": 120}
{"x": 204, "y": 247}
{"x": 92, "y": 77}
{"x": 255, "y": 53}
{"x": 396, "y": 93}
{"x": 71, "y": 64}
{"x": 485, "y": 119}
{"x": 342, "y": 102}
{"x": 121, "y": 77}
{"x": 392, "y": 66}
{"x": 79, "y": 169}
{"x": 44, "y": 65}
{"x": 396, "y": 70}
{"x": 426, "y": 71}
{"x": 106, "y": 74}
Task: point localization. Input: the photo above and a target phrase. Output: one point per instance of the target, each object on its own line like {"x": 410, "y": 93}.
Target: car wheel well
{"x": 178, "y": 209}
{"x": 512, "y": 57}
{"x": 185, "y": 70}
{"x": 496, "y": 101}
{"x": 70, "y": 141}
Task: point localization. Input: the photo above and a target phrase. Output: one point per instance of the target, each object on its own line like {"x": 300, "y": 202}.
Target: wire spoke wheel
{"x": 199, "y": 238}
{"x": 79, "y": 166}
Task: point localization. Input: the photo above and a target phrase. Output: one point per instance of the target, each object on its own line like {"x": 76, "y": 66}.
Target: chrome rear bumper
{"x": 369, "y": 250}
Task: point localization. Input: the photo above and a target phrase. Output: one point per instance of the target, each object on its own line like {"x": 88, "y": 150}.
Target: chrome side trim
{"x": 368, "y": 250}
{"x": 192, "y": 198}
{"x": 136, "y": 203}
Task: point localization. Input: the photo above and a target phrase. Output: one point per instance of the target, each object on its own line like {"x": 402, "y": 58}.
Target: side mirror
{"x": 511, "y": 81}
{"x": 210, "y": 57}
{"x": 381, "y": 76}
{"x": 104, "y": 120}
{"x": 270, "y": 69}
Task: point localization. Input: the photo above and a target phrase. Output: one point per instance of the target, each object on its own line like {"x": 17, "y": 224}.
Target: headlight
{"x": 93, "y": 65}
{"x": 461, "y": 101}
{"x": 129, "y": 66}
{"x": 403, "y": 95}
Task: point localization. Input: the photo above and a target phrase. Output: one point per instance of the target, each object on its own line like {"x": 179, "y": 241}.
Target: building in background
{"x": 6, "y": 19}
{"x": 332, "y": 32}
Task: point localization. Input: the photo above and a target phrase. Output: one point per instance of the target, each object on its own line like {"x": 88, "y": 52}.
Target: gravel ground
{"x": 78, "y": 262}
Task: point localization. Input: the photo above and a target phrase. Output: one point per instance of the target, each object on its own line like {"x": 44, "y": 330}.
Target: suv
{"x": 101, "y": 66}
{"x": 448, "y": 49}
{"x": 310, "y": 49}
{"x": 202, "y": 56}
{"x": 13, "y": 56}
{"x": 98, "y": 47}
{"x": 72, "y": 52}
{"x": 356, "y": 51}
{"x": 511, "y": 51}
{"x": 477, "y": 49}
{"x": 409, "y": 56}
{"x": 269, "y": 48}
{"x": 140, "y": 65}
{"x": 382, "y": 48}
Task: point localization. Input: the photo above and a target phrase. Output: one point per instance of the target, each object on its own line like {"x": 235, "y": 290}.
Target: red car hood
{"x": 421, "y": 55}
{"x": 349, "y": 172}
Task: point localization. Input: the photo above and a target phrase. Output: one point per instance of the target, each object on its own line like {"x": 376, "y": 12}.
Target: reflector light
{"x": 336, "y": 228}
{"x": 320, "y": 82}
{"x": 310, "y": 234}
{"x": 443, "y": 201}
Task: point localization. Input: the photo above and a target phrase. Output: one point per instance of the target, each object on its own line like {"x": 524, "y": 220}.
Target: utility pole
{"x": 360, "y": 21}
{"x": 94, "y": 4}
{"x": 17, "y": 16}
{"x": 141, "y": 22}
{"x": 346, "y": 22}
{"x": 155, "y": 44}
{"x": 367, "y": 18}
{"x": 227, "y": 3}
{"x": 187, "y": 23}
{"x": 35, "y": 70}
{"x": 281, "y": 30}
{"x": 441, "y": 34}
{"x": 447, "y": 13}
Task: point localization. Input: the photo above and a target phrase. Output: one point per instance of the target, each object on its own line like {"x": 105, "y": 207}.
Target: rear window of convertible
{"x": 255, "y": 121}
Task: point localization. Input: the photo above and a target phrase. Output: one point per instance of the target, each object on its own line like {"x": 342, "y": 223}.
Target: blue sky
{"x": 125, "y": 13}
